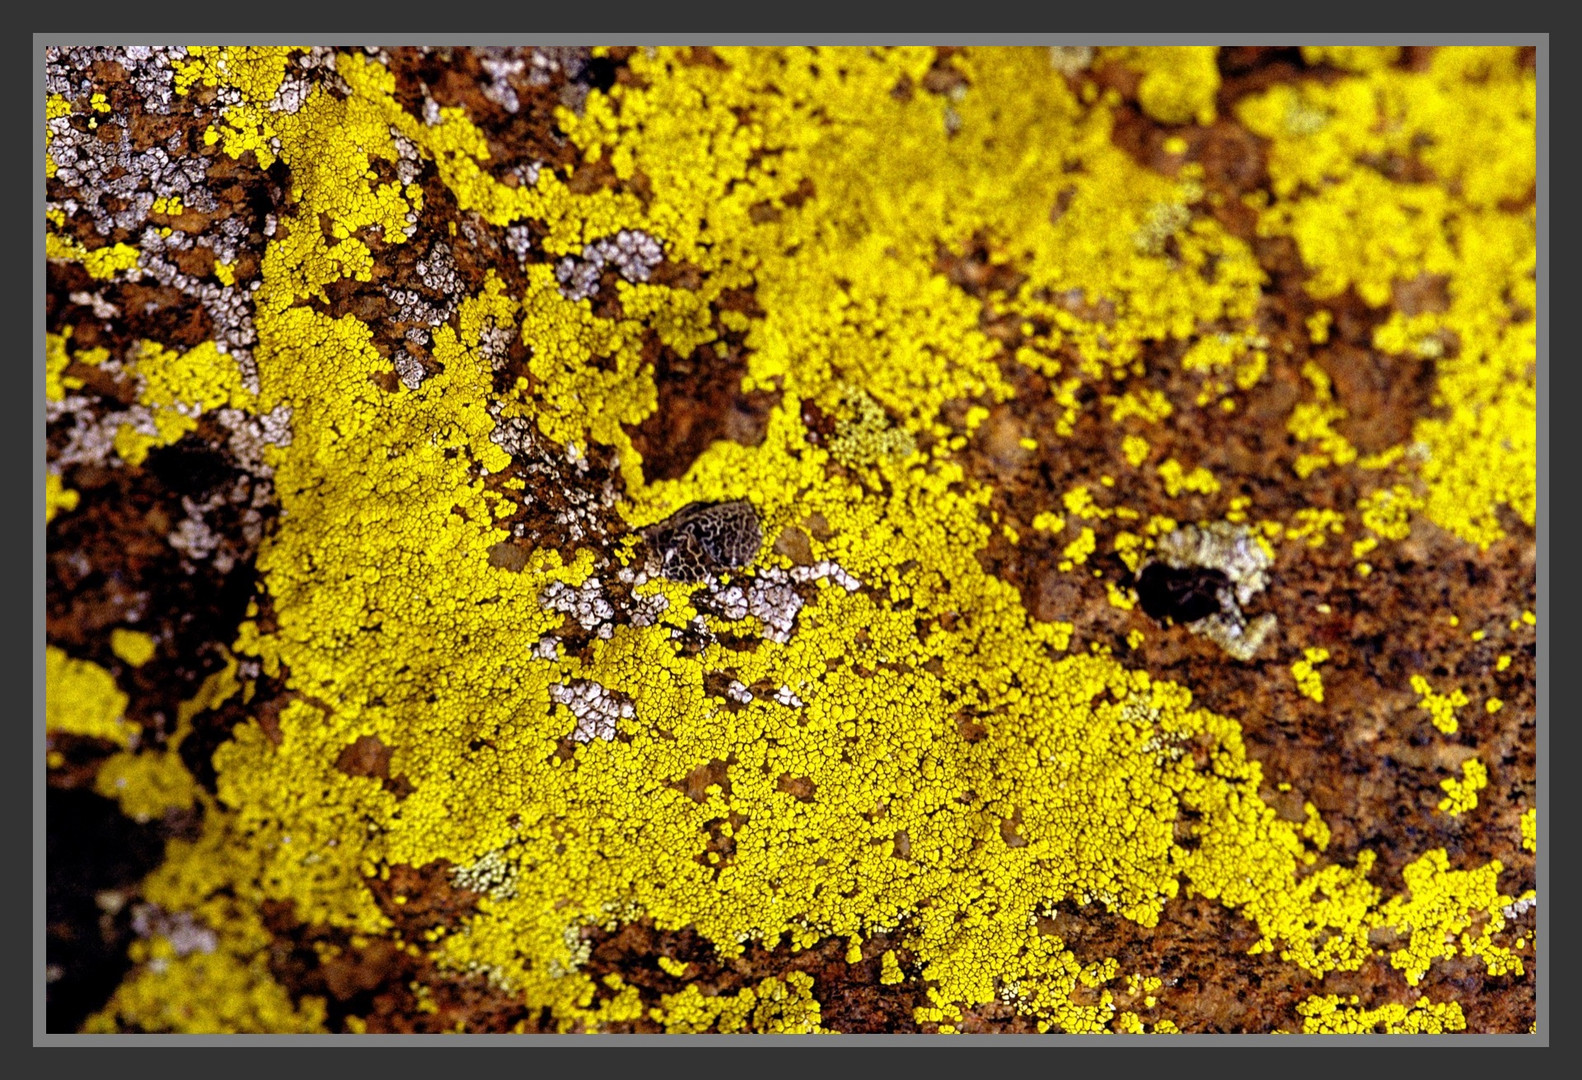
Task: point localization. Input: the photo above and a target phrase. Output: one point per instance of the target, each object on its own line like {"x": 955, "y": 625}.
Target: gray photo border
{"x": 37, "y": 747}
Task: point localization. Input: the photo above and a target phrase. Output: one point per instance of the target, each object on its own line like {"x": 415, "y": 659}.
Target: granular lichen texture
{"x": 781, "y": 539}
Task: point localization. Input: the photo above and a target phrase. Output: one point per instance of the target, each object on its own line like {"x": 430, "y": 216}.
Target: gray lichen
{"x": 703, "y": 539}
{"x": 1235, "y": 552}
{"x": 632, "y": 253}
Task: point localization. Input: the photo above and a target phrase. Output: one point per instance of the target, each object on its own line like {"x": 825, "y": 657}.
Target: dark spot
{"x": 190, "y": 467}
{"x": 1183, "y": 595}
{"x": 702, "y": 539}
{"x": 599, "y": 73}
{"x": 94, "y": 853}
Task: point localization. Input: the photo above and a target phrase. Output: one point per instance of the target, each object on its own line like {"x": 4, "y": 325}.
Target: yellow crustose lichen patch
{"x": 82, "y": 699}
{"x": 1461, "y": 793}
{"x": 147, "y": 784}
{"x": 1441, "y": 707}
{"x": 1445, "y": 913}
{"x": 1309, "y": 683}
{"x": 1481, "y": 447}
{"x": 57, "y": 497}
{"x": 384, "y": 510}
{"x": 1330, "y": 1014}
{"x": 133, "y": 646}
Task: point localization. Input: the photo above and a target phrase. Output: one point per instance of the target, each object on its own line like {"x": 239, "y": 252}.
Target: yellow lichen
{"x": 1176, "y": 479}
{"x": 228, "y": 989}
{"x": 1387, "y": 511}
{"x": 81, "y": 698}
{"x": 57, "y": 497}
{"x": 1314, "y": 422}
{"x": 1461, "y": 794}
{"x": 1178, "y": 83}
{"x": 133, "y": 646}
{"x": 1242, "y": 359}
{"x": 387, "y": 506}
{"x": 1441, "y": 707}
{"x": 1311, "y": 525}
{"x": 1356, "y": 228}
{"x": 102, "y": 262}
{"x": 784, "y": 1007}
{"x": 1135, "y": 449}
{"x": 1446, "y": 913}
{"x": 1331, "y": 1014}
{"x": 1309, "y": 683}
{"x": 1076, "y": 553}
{"x": 146, "y": 784}
{"x": 863, "y": 433}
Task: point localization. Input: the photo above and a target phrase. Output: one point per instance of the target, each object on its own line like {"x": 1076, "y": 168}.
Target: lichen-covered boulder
{"x": 781, "y": 539}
